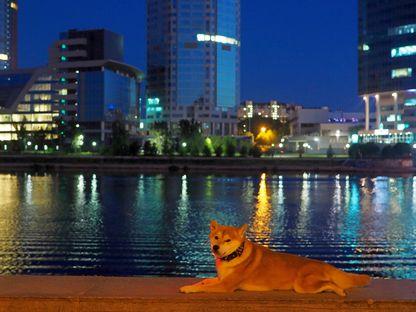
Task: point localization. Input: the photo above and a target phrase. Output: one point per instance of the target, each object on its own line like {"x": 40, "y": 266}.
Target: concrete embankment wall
{"x": 337, "y": 165}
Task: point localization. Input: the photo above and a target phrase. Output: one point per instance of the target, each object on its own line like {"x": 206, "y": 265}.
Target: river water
{"x": 157, "y": 224}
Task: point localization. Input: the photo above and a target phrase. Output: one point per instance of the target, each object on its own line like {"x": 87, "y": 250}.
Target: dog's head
{"x": 226, "y": 239}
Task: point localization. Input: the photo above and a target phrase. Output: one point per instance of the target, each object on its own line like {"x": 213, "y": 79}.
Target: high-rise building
{"x": 94, "y": 85}
{"x": 193, "y": 69}
{"x": 387, "y": 68}
{"x": 8, "y": 34}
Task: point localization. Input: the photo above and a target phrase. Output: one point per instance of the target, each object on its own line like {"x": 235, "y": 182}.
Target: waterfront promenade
{"x": 43, "y": 294}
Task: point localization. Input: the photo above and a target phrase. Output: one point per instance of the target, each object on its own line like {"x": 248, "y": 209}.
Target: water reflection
{"x": 262, "y": 213}
{"x": 107, "y": 224}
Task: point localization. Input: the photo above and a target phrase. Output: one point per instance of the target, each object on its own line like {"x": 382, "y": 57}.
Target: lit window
{"x": 217, "y": 38}
{"x": 401, "y": 73}
{"x": 63, "y": 58}
{"x": 365, "y": 47}
{"x": 64, "y": 46}
{"x": 403, "y": 51}
{"x": 13, "y": 5}
{"x": 402, "y": 30}
{"x": 4, "y": 57}
{"x": 63, "y": 92}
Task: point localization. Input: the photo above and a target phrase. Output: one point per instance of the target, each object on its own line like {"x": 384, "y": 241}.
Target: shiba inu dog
{"x": 243, "y": 265}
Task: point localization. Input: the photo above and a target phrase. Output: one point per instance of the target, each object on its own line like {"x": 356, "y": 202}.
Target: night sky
{"x": 296, "y": 51}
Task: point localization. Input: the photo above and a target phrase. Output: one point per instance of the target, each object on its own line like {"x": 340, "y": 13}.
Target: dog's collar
{"x": 235, "y": 254}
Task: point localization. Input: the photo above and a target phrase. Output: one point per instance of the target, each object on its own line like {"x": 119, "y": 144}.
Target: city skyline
{"x": 293, "y": 73}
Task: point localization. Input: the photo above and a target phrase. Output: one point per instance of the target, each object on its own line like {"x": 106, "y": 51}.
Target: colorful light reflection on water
{"x": 108, "y": 224}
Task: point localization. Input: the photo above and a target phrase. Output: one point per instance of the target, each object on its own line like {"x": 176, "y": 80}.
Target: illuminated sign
{"x": 217, "y": 38}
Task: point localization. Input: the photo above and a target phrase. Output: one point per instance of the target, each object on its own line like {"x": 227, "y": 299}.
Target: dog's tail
{"x": 348, "y": 280}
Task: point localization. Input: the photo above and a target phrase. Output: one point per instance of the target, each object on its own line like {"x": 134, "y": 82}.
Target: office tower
{"x": 8, "y": 34}
{"x": 193, "y": 69}
{"x": 94, "y": 85}
{"x": 387, "y": 68}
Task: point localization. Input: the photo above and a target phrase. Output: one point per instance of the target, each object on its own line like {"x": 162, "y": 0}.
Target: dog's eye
{"x": 228, "y": 240}
{"x": 216, "y": 237}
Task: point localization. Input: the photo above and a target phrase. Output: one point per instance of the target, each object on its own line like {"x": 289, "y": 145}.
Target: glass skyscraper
{"x": 8, "y": 34}
{"x": 193, "y": 67}
{"x": 387, "y": 68}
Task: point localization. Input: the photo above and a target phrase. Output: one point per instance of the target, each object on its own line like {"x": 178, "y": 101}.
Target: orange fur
{"x": 260, "y": 269}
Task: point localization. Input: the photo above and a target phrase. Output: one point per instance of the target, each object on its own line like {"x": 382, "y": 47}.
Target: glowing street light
{"x": 29, "y": 143}
{"x": 263, "y": 129}
{"x": 184, "y": 144}
{"x": 94, "y": 144}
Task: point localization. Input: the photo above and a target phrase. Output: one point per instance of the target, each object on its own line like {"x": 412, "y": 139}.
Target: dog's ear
{"x": 242, "y": 230}
{"x": 214, "y": 225}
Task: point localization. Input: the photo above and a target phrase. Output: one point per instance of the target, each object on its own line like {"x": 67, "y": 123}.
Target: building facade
{"x": 8, "y": 34}
{"x": 193, "y": 57}
{"x": 85, "y": 85}
{"x": 94, "y": 85}
{"x": 28, "y": 100}
{"x": 387, "y": 68}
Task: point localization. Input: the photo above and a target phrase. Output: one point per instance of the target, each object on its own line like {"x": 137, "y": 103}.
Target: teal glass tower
{"x": 193, "y": 69}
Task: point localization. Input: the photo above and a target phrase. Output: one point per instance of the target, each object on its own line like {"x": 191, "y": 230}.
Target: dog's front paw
{"x": 188, "y": 289}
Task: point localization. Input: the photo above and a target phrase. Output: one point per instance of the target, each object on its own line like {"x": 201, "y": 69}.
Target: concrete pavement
{"x": 52, "y": 293}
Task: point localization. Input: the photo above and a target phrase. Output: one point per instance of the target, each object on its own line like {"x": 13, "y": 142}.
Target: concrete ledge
{"x": 41, "y": 293}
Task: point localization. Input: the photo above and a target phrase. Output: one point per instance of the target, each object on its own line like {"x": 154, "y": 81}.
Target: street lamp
{"x": 184, "y": 144}
{"x": 263, "y": 129}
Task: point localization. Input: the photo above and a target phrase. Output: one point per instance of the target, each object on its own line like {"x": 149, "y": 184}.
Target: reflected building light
{"x": 303, "y": 217}
{"x": 208, "y": 188}
{"x": 337, "y": 194}
{"x": 10, "y": 207}
{"x": 94, "y": 189}
{"x": 262, "y": 213}
{"x": 352, "y": 222}
{"x": 140, "y": 187}
{"x": 80, "y": 195}
{"x": 184, "y": 199}
{"x": 183, "y": 206}
{"x": 280, "y": 193}
{"x": 28, "y": 189}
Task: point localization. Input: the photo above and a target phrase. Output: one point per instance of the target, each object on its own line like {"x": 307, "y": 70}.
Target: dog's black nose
{"x": 215, "y": 247}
